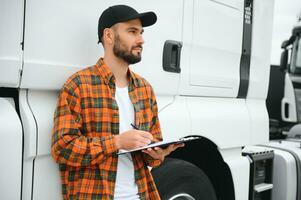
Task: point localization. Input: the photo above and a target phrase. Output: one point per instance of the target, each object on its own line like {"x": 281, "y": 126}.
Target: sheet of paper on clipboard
{"x": 163, "y": 144}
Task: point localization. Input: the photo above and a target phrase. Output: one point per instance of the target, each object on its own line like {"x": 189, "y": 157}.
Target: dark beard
{"x": 127, "y": 56}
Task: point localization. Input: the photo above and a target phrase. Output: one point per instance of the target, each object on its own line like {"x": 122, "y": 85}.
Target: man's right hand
{"x": 133, "y": 139}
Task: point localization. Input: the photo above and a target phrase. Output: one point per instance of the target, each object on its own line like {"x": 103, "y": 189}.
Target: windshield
{"x": 295, "y": 66}
{"x": 298, "y": 54}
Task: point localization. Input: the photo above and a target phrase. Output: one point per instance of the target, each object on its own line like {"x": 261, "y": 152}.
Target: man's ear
{"x": 108, "y": 35}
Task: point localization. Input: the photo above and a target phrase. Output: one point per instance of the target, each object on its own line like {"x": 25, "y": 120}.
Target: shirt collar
{"x": 108, "y": 76}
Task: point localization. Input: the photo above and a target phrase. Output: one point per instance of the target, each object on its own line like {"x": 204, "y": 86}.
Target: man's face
{"x": 128, "y": 41}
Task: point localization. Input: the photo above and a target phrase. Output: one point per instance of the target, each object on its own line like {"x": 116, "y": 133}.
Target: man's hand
{"x": 159, "y": 153}
{"x": 133, "y": 139}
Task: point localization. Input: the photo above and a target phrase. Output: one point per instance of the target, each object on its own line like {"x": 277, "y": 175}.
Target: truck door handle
{"x": 285, "y": 110}
{"x": 171, "y": 56}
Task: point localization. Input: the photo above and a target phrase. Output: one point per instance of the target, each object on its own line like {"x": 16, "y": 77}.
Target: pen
{"x": 135, "y": 127}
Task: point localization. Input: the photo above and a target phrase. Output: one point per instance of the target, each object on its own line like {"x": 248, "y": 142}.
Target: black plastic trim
{"x": 12, "y": 93}
{"x": 286, "y": 110}
{"x": 18, "y": 110}
{"x": 296, "y": 85}
{"x": 23, "y": 34}
{"x": 246, "y": 50}
{"x": 297, "y": 30}
{"x": 172, "y": 56}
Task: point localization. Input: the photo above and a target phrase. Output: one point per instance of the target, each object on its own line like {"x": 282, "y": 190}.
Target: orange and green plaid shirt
{"x": 85, "y": 122}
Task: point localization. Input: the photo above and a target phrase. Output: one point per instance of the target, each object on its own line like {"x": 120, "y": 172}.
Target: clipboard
{"x": 163, "y": 144}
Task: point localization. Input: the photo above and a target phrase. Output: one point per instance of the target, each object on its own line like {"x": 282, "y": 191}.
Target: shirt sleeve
{"x": 69, "y": 145}
{"x": 155, "y": 130}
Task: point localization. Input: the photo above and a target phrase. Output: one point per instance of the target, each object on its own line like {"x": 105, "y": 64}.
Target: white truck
{"x": 208, "y": 61}
{"x": 283, "y": 101}
{"x": 284, "y": 107}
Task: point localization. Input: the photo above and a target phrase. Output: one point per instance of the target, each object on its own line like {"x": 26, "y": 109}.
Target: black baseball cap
{"x": 123, "y": 13}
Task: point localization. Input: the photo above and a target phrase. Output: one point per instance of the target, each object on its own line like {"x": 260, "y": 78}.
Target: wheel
{"x": 180, "y": 180}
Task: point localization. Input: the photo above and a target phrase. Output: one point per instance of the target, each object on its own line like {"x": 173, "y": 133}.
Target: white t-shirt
{"x": 125, "y": 186}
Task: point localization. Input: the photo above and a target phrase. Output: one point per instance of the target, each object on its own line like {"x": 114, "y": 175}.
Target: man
{"x": 96, "y": 112}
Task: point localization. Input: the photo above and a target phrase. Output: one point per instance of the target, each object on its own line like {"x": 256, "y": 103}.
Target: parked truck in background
{"x": 208, "y": 61}
{"x": 284, "y": 107}
{"x": 284, "y": 97}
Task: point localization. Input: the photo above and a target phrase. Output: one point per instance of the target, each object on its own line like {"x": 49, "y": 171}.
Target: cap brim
{"x": 147, "y": 18}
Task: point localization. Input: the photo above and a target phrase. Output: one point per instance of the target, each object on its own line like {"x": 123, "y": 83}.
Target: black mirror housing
{"x": 284, "y": 60}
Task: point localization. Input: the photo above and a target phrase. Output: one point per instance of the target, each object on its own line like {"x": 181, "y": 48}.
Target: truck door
{"x": 211, "y": 75}
{"x": 215, "y": 43}
{"x": 11, "y": 18}
{"x": 291, "y": 104}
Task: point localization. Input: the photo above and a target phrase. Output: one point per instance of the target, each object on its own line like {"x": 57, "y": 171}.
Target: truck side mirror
{"x": 285, "y": 44}
{"x": 283, "y": 60}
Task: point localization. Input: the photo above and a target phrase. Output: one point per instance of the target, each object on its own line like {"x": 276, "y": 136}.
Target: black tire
{"x": 175, "y": 177}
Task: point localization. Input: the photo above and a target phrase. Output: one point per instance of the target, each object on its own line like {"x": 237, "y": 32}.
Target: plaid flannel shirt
{"x": 85, "y": 123}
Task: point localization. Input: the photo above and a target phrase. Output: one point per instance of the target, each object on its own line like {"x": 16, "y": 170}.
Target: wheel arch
{"x": 205, "y": 154}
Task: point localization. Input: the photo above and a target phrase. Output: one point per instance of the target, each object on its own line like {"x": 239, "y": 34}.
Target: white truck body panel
{"x": 289, "y": 99}
{"x": 46, "y": 185}
{"x": 259, "y": 121}
{"x": 240, "y": 167}
{"x": 202, "y": 41}
{"x": 37, "y": 108}
{"x": 10, "y": 151}
{"x": 284, "y": 176}
{"x": 210, "y": 20}
{"x": 11, "y": 21}
{"x": 42, "y": 104}
{"x": 29, "y": 126}
{"x": 49, "y": 62}
{"x": 30, "y": 144}
{"x": 177, "y": 124}
{"x": 215, "y": 120}
{"x": 261, "y": 49}
{"x": 284, "y": 170}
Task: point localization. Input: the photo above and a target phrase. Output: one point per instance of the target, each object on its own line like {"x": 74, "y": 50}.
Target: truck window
{"x": 298, "y": 54}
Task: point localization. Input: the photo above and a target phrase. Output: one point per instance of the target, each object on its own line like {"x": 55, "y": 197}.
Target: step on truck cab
{"x": 207, "y": 60}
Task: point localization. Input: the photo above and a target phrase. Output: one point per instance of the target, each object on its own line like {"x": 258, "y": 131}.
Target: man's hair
{"x": 114, "y": 28}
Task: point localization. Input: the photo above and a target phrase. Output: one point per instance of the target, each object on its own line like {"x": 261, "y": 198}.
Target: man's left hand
{"x": 159, "y": 153}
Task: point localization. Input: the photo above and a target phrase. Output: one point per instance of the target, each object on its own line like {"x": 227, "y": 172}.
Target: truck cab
{"x": 283, "y": 101}
{"x": 284, "y": 107}
{"x": 208, "y": 62}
